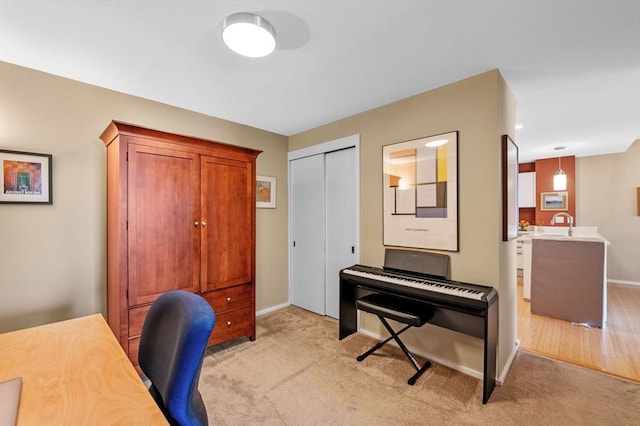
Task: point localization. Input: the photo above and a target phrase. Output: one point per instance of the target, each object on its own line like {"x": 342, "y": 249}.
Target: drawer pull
{"x": 228, "y": 323}
{"x": 228, "y": 299}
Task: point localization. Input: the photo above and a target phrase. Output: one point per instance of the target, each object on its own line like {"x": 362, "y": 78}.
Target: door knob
{"x": 204, "y": 223}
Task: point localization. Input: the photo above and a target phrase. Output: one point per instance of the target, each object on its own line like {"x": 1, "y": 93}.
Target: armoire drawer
{"x": 229, "y": 299}
{"x": 134, "y": 345}
{"x": 232, "y": 325}
{"x": 136, "y": 320}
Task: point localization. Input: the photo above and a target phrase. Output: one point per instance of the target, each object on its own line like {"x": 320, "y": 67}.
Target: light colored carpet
{"x": 297, "y": 372}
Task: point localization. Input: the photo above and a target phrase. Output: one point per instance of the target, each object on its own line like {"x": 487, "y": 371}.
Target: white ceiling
{"x": 573, "y": 66}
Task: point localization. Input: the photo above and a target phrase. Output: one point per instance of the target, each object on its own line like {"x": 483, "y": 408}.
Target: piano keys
{"x": 439, "y": 286}
{"x": 467, "y": 308}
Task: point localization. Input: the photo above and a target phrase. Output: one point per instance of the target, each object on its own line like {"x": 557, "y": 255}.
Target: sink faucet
{"x": 569, "y": 219}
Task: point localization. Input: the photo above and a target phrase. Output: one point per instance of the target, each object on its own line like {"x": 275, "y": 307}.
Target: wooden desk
{"x": 75, "y": 373}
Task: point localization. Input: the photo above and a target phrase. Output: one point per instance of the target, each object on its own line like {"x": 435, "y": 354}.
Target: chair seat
{"x": 396, "y": 308}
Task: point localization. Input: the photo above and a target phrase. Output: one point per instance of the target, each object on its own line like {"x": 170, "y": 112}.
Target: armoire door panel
{"x": 227, "y": 188}
{"x": 164, "y": 204}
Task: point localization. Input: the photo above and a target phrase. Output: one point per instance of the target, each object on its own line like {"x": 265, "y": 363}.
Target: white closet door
{"x": 341, "y": 222}
{"x": 307, "y": 261}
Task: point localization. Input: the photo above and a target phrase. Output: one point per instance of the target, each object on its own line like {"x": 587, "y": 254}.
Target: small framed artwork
{"x": 265, "y": 192}
{"x": 553, "y": 201}
{"x": 26, "y": 178}
{"x": 509, "y": 189}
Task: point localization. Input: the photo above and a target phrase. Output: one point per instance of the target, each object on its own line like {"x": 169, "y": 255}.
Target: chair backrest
{"x": 172, "y": 345}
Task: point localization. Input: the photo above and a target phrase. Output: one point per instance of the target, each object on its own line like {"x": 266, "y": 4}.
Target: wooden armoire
{"x": 180, "y": 216}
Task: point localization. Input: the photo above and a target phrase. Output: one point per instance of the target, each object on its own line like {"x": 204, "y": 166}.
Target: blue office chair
{"x": 172, "y": 345}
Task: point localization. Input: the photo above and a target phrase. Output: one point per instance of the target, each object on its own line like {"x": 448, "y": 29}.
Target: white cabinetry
{"x": 527, "y": 189}
{"x": 520, "y": 241}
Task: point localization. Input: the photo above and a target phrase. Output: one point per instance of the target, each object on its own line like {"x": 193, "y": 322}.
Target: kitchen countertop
{"x": 561, "y": 233}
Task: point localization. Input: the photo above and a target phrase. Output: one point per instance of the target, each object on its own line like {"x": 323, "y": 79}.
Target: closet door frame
{"x": 352, "y": 141}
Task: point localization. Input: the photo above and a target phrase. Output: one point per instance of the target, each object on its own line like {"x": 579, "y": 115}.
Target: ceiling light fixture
{"x": 248, "y": 35}
{"x": 560, "y": 178}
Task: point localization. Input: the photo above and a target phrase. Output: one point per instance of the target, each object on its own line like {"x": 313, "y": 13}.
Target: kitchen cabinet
{"x": 523, "y": 238}
{"x": 527, "y": 189}
{"x": 180, "y": 216}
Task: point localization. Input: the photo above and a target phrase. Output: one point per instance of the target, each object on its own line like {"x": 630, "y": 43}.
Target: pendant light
{"x": 249, "y": 35}
{"x": 559, "y": 179}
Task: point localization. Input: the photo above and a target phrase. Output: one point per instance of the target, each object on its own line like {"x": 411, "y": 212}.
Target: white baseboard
{"x": 505, "y": 371}
{"x": 272, "y": 309}
{"x": 623, "y": 282}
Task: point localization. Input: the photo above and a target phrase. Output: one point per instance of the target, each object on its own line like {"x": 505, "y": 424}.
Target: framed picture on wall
{"x": 553, "y": 201}
{"x": 420, "y": 193}
{"x": 509, "y": 189}
{"x": 26, "y": 178}
{"x": 265, "y": 192}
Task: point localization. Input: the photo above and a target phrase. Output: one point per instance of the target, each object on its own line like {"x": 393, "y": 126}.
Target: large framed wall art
{"x": 420, "y": 193}
{"x": 26, "y": 178}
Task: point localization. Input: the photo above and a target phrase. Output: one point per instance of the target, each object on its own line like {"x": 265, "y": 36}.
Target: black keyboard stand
{"x": 448, "y": 312}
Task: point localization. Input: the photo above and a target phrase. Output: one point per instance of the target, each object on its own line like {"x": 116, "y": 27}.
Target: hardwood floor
{"x": 614, "y": 349}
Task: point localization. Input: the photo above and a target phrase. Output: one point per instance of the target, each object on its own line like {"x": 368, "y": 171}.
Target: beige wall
{"x": 606, "y": 197}
{"x": 481, "y": 108}
{"x": 53, "y": 258}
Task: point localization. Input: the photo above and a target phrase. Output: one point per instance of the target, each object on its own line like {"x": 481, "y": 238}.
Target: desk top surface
{"x": 75, "y": 373}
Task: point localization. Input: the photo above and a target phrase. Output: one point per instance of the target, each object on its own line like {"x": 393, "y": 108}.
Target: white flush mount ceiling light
{"x": 248, "y": 35}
